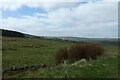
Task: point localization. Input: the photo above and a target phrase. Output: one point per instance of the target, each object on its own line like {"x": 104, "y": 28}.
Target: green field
{"x": 28, "y": 51}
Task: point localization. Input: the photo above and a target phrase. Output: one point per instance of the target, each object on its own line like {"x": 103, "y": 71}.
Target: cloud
{"x": 93, "y": 19}
{"x": 47, "y": 4}
{"x": 41, "y": 14}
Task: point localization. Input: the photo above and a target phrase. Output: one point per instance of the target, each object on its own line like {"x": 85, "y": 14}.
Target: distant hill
{"x": 103, "y": 41}
{"x": 9, "y": 33}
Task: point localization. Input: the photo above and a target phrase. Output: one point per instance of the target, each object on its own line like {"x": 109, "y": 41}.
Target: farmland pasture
{"x": 33, "y": 51}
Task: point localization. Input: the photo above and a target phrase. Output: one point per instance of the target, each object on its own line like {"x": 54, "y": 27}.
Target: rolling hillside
{"x": 103, "y": 41}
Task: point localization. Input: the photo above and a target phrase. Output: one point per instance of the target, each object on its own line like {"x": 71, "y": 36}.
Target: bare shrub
{"x": 92, "y": 51}
{"x": 61, "y": 55}
{"x": 75, "y": 52}
{"x": 79, "y": 51}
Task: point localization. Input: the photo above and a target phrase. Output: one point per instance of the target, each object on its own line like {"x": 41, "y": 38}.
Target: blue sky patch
{"x": 23, "y": 11}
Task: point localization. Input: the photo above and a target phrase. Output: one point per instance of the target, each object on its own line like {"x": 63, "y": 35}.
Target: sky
{"x": 73, "y": 18}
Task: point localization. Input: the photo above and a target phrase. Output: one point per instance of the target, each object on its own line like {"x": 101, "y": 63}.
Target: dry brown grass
{"x": 86, "y": 51}
{"x": 61, "y": 55}
{"x": 75, "y": 52}
{"x": 79, "y": 51}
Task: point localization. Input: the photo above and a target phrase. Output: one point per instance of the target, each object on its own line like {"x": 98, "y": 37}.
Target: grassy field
{"x": 28, "y": 51}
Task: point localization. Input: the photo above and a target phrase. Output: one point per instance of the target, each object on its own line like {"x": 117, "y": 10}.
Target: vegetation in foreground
{"x": 27, "y": 51}
{"x": 78, "y": 52}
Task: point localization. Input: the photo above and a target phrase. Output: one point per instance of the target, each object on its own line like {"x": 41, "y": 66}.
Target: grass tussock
{"x": 79, "y": 51}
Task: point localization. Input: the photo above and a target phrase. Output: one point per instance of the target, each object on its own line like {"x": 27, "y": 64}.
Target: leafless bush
{"x": 61, "y": 55}
{"x": 79, "y": 51}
